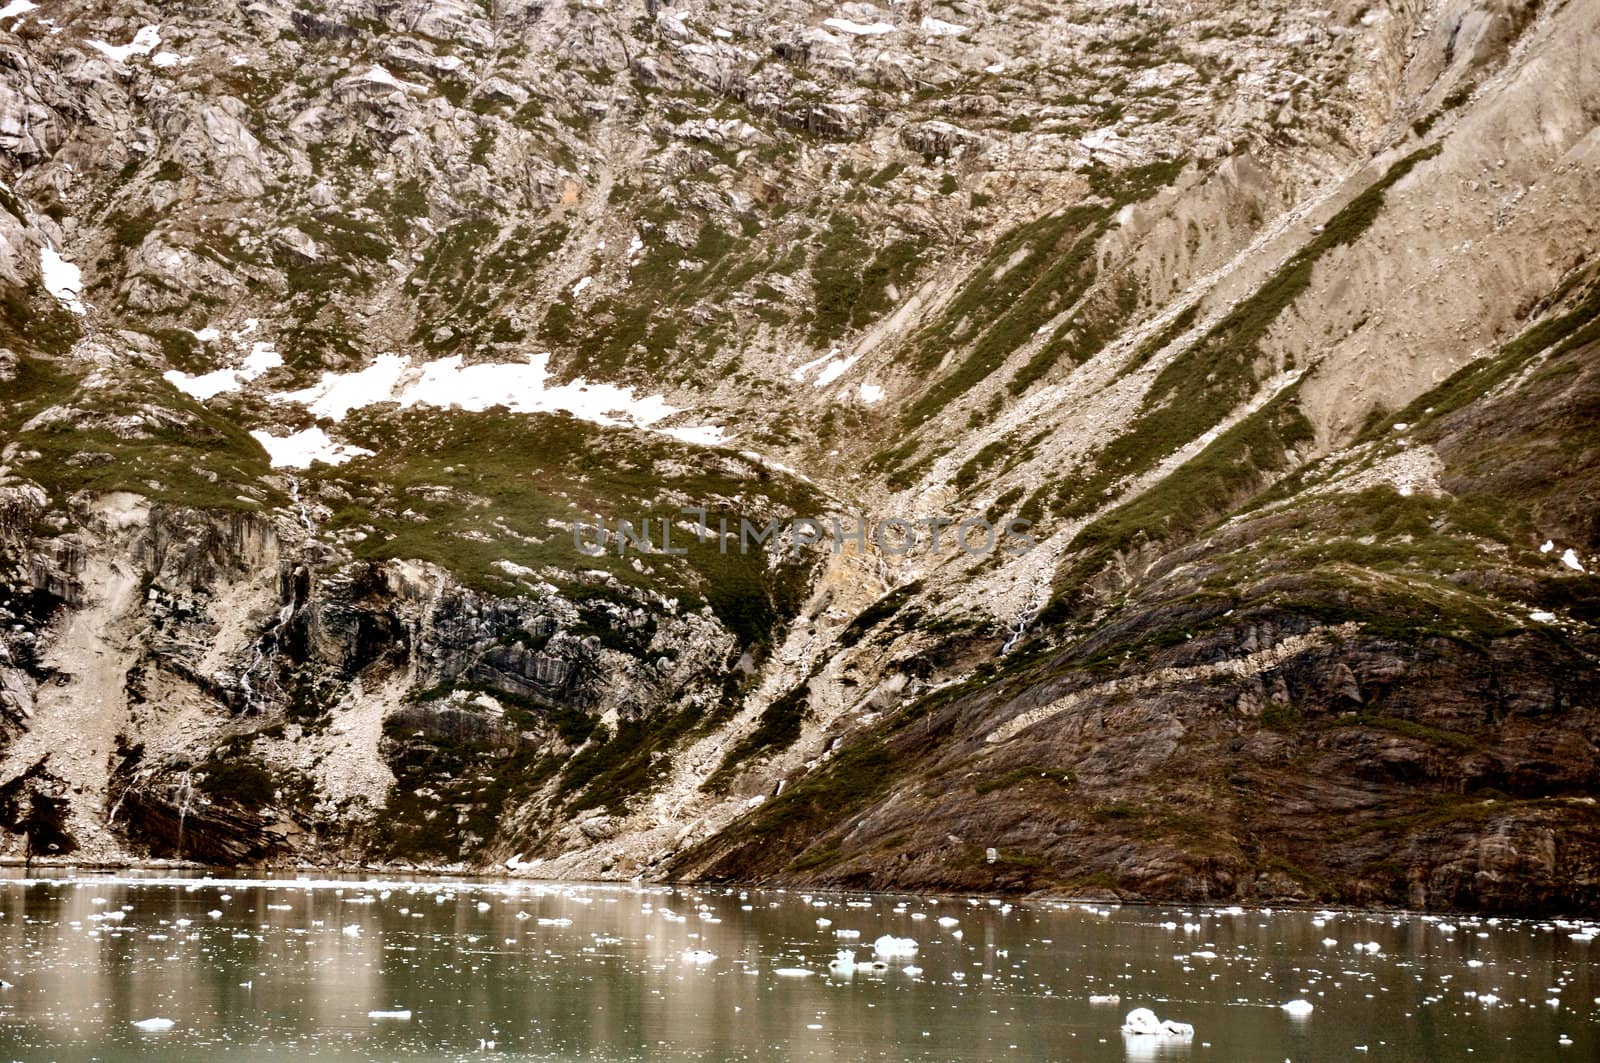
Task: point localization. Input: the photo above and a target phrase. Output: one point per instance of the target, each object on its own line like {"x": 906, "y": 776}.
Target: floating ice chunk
{"x": 61, "y": 279}
{"x": 1371, "y": 946}
{"x": 824, "y": 923}
{"x": 352, "y": 931}
{"x": 483, "y": 906}
{"x": 1570, "y": 559}
{"x": 891, "y": 947}
{"x": 847, "y": 934}
{"x": 793, "y": 972}
{"x": 947, "y": 921}
{"x": 1105, "y": 998}
{"x": 400, "y": 1014}
{"x": 1330, "y": 942}
{"x": 1142, "y": 1022}
{"x": 157, "y": 1025}
{"x": 699, "y": 956}
{"x": 1297, "y": 1009}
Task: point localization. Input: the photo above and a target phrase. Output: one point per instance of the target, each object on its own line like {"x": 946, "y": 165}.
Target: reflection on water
{"x": 436, "y": 969}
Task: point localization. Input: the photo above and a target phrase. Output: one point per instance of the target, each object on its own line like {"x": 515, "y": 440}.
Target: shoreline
{"x": 58, "y": 869}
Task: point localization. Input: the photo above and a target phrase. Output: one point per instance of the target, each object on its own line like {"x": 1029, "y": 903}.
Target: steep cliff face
{"x": 330, "y": 334}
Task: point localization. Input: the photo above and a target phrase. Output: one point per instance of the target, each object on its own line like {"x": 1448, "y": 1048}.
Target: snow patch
{"x": 834, "y": 370}
{"x": 856, "y": 29}
{"x": 1570, "y": 559}
{"x": 299, "y": 449}
{"x": 61, "y": 279}
{"x": 144, "y": 42}
{"x": 938, "y": 27}
{"x": 871, "y": 393}
{"x": 520, "y": 387}
{"x": 379, "y": 76}
{"x": 203, "y": 386}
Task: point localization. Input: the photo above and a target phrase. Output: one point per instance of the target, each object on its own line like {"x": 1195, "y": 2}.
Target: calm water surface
{"x": 431, "y": 969}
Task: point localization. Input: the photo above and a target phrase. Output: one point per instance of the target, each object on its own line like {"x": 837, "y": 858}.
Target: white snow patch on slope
{"x": 261, "y": 358}
{"x": 938, "y": 27}
{"x": 380, "y": 76}
{"x": 300, "y": 449}
{"x": 520, "y": 387}
{"x": 871, "y": 393}
{"x": 61, "y": 279}
{"x": 167, "y": 59}
{"x": 1570, "y": 559}
{"x": 834, "y": 370}
{"x": 856, "y": 29}
{"x": 144, "y": 42}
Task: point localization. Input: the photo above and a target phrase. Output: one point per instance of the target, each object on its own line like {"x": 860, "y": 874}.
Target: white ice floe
{"x": 1142, "y": 1022}
{"x": 857, "y": 29}
{"x": 699, "y": 956}
{"x": 1297, "y": 1009}
{"x": 793, "y": 972}
{"x": 154, "y": 1025}
{"x": 144, "y": 42}
{"x": 1101, "y": 999}
{"x": 17, "y": 7}
{"x": 948, "y": 921}
{"x": 353, "y": 930}
{"x": 1570, "y": 559}
{"x": 400, "y": 1014}
{"x": 299, "y": 450}
{"x": 844, "y": 962}
{"x": 61, "y": 279}
{"x": 891, "y": 947}
{"x": 520, "y": 387}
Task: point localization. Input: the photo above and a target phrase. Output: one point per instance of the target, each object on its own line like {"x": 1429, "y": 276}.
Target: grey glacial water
{"x": 172, "y": 968}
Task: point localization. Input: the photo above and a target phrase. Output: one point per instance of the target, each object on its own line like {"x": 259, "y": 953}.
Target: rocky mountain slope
{"x": 329, "y": 333}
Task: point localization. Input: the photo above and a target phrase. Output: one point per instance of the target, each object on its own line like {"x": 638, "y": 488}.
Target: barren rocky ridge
{"x": 323, "y": 324}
